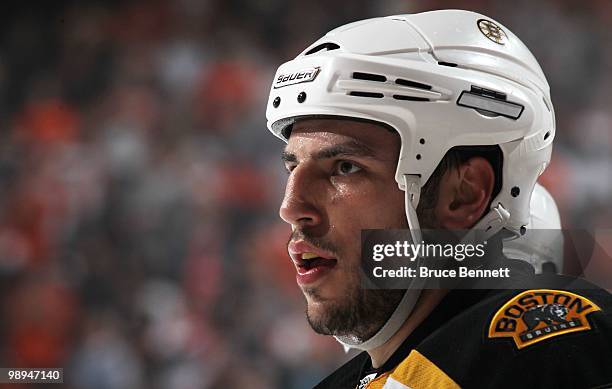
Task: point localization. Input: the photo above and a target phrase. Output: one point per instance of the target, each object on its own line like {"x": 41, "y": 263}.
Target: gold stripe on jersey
{"x": 416, "y": 372}
{"x": 378, "y": 382}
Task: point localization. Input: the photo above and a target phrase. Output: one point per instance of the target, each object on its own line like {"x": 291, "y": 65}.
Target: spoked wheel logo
{"x": 492, "y": 31}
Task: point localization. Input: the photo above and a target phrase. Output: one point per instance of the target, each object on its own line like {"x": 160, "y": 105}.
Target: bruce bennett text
{"x": 425, "y": 272}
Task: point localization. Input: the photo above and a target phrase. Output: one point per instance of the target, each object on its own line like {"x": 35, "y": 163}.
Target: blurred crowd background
{"x": 139, "y": 240}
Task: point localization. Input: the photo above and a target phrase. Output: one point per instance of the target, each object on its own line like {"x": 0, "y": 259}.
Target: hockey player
{"x": 444, "y": 117}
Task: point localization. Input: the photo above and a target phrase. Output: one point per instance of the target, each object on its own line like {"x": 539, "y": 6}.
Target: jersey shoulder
{"x": 549, "y": 331}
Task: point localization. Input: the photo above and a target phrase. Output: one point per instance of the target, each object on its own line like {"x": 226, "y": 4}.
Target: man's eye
{"x": 344, "y": 168}
{"x": 290, "y": 166}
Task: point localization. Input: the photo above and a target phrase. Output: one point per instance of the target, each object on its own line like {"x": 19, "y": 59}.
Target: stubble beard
{"x": 360, "y": 313}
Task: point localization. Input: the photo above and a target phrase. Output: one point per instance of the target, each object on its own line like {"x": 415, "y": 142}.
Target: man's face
{"x": 341, "y": 180}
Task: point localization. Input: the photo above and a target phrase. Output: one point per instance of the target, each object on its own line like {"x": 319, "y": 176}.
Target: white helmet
{"x": 542, "y": 245}
{"x": 440, "y": 79}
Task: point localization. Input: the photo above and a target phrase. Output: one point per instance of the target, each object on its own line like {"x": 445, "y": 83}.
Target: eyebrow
{"x": 350, "y": 148}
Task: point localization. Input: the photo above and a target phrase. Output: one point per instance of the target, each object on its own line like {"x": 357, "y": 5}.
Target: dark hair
{"x": 454, "y": 158}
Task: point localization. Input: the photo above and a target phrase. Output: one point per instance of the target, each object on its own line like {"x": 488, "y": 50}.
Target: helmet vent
{"x": 366, "y": 94}
{"x": 413, "y": 84}
{"x": 369, "y": 77}
{"x": 328, "y": 46}
{"x": 410, "y": 98}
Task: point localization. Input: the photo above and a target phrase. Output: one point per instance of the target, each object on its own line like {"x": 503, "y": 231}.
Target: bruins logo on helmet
{"x": 535, "y": 315}
{"x": 492, "y": 31}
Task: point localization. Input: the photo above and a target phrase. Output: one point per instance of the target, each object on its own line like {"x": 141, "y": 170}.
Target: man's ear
{"x": 465, "y": 193}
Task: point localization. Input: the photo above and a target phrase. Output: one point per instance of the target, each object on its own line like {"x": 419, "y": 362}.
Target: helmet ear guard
{"x": 542, "y": 245}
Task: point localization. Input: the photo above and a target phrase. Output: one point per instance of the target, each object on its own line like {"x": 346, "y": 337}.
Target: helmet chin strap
{"x": 490, "y": 224}
{"x": 411, "y": 296}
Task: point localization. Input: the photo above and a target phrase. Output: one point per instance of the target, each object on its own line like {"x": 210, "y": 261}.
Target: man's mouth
{"x": 311, "y": 263}
{"x": 312, "y": 260}
{"x": 311, "y": 268}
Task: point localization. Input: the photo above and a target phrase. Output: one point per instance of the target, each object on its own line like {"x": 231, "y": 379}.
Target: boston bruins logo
{"x": 492, "y": 31}
{"x": 536, "y": 315}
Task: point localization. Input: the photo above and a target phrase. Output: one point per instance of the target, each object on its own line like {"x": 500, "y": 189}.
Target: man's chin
{"x": 320, "y": 315}
{"x": 330, "y": 316}
{"x": 360, "y": 314}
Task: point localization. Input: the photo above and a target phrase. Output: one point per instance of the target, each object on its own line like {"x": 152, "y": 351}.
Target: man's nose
{"x": 300, "y": 207}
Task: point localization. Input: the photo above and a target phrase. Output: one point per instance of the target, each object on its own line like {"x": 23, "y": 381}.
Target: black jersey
{"x": 550, "y": 332}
